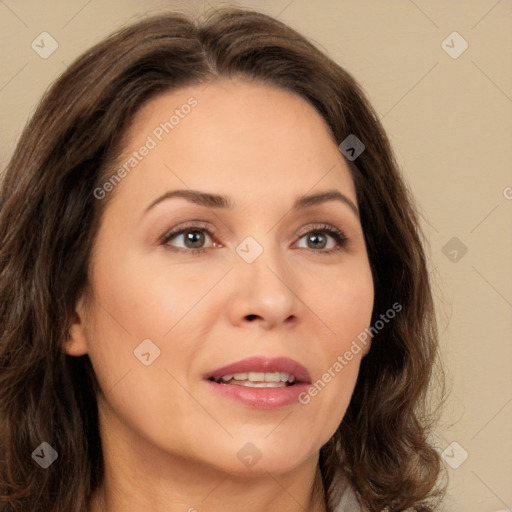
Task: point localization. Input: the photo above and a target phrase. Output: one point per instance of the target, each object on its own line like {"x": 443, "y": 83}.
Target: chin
{"x": 258, "y": 455}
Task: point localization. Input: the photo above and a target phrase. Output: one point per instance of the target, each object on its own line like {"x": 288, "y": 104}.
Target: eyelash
{"x": 338, "y": 236}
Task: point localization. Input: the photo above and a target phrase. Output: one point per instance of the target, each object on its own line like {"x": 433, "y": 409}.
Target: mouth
{"x": 260, "y": 382}
{"x": 257, "y": 379}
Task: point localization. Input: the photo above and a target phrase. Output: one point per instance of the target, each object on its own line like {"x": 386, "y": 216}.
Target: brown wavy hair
{"x": 49, "y": 218}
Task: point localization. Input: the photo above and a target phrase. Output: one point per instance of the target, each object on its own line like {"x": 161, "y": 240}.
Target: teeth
{"x": 258, "y": 379}
{"x": 251, "y": 384}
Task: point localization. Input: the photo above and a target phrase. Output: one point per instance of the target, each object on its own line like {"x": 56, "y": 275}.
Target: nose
{"x": 264, "y": 292}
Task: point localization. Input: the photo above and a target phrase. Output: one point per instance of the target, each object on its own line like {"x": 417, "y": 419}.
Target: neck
{"x": 218, "y": 493}
{"x": 138, "y": 476}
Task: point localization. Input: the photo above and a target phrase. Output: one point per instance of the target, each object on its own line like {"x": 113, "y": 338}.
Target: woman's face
{"x": 192, "y": 335}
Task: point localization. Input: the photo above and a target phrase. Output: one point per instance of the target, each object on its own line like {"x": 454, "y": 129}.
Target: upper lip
{"x": 264, "y": 364}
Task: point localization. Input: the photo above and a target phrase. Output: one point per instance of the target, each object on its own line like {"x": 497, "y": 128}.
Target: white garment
{"x": 348, "y": 502}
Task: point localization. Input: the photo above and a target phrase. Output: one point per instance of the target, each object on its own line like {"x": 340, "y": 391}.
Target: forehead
{"x": 233, "y": 135}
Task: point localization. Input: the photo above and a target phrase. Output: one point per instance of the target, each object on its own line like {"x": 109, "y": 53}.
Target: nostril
{"x": 252, "y": 317}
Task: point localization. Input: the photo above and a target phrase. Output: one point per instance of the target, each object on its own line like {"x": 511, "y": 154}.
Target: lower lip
{"x": 262, "y": 398}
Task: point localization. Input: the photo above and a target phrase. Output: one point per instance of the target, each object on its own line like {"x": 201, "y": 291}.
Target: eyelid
{"x": 321, "y": 226}
{"x": 188, "y": 225}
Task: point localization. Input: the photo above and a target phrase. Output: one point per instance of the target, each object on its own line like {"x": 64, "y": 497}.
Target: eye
{"x": 323, "y": 239}
{"x": 318, "y": 238}
{"x": 193, "y": 237}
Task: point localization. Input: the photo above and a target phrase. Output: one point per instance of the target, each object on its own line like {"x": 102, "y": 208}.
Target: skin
{"x": 170, "y": 442}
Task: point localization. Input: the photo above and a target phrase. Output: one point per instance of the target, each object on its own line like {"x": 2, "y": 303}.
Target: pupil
{"x": 192, "y": 238}
{"x": 316, "y": 237}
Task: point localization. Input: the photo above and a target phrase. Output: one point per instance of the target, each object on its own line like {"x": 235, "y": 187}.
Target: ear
{"x": 366, "y": 349}
{"x": 365, "y": 343}
{"x": 76, "y": 342}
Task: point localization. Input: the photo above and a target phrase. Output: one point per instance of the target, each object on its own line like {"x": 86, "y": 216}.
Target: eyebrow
{"x": 223, "y": 202}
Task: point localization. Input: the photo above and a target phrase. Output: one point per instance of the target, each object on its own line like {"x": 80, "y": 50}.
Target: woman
{"x": 214, "y": 290}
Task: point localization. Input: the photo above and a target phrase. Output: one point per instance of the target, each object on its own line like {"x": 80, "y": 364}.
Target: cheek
{"x": 344, "y": 304}
{"x": 148, "y": 300}
{"x": 354, "y": 306}
{"x": 137, "y": 302}
{"x": 343, "y": 300}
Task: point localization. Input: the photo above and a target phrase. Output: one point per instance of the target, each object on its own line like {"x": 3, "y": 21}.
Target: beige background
{"x": 450, "y": 121}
